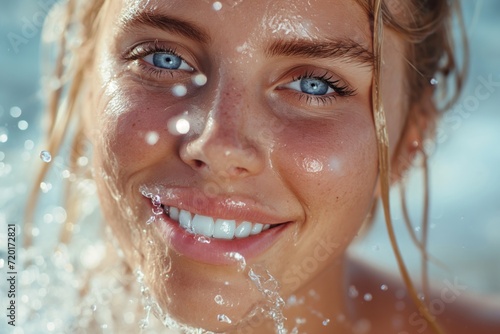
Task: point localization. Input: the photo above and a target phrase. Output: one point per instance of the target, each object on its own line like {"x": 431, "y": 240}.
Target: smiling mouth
{"x": 213, "y": 227}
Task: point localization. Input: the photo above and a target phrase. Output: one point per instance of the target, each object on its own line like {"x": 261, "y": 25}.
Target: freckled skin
{"x": 242, "y": 110}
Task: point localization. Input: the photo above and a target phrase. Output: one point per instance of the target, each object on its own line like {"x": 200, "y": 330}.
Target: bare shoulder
{"x": 380, "y": 301}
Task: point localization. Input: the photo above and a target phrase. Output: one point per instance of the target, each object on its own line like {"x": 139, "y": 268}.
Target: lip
{"x": 217, "y": 251}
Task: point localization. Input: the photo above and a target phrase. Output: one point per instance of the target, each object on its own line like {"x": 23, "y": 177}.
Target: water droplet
{"x": 29, "y": 144}
{"x": 15, "y": 112}
{"x": 45, "y": 186}
{"x": 433, "y": 81}
{"x": 182, "y": 126}
{"x": 203, "y": 239}
{"x": 417, "y": 229}
{"x": 151, "y": 220}
{"x": 45, "y": 156}
{"x": 152, "y": 137}
{"x": 3, "y": 137}
{"x": 2, "y": 156}
{"x": 199, "y": 79}
{"x": 178, "y": 126}
{"x": 352, "y": 292}
{"x": 326, "y": 322}
{"x": 219, "y": 300}
{"x": 217, "y": 6}
{"x": 156, "y": 200}
{"x": 368, "y": 297}
{"x": 157, "y": 210}
{"x": 240, "y": 259}
{"x": 93, "y": 307}
{"x": 384, "y": 287}
{"x": 82, "y": 161}
{"x": 223, "y": 318}
{"x": 179, "y": 90}
{"x": 22, "y": 125}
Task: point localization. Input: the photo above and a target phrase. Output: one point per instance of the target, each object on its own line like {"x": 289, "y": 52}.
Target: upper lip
{"x": 237, "y": 207}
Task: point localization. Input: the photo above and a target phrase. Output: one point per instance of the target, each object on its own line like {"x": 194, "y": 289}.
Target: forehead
{"x": 255, "y": 19}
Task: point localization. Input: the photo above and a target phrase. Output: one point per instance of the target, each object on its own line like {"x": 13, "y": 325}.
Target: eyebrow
{"x": 167, "y": 23}
{"x": 343, "y": 49}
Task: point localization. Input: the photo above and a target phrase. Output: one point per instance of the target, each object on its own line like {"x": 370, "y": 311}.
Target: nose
{"x": 225, "y": 146}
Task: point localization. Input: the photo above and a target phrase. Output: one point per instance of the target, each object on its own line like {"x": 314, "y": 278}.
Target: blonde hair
{"x": 425, "y": 26}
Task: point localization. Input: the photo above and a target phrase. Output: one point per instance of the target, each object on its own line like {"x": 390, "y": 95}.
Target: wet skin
{"x": 256, "y": 137}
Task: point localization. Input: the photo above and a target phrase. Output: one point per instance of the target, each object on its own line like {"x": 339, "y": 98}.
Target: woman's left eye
{"x": 311, "y": 86}
{"x": 168, "y": 61}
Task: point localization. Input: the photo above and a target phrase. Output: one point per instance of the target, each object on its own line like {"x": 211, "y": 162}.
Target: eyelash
{"x": 140, "y": 52}
{"x": 339, "y": 90}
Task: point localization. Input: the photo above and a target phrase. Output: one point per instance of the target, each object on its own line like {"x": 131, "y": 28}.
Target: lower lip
{"x": 217, "y": 251}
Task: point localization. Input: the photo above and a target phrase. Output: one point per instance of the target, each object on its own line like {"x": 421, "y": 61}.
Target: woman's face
{"x": 236, "y": 113}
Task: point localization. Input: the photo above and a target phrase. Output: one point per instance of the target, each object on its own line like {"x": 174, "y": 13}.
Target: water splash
{"x": 352, "y": 291}
{"x": 178, "y": 125}
{"x": 45, "y": 156}
{"x": 217, "y": 6}
{"x": 179, "y": 90}
{"x": 268, "y": 286}
{"x": 240, "y": 259}
{"x": 199, "y": 79}
{"x": 157, "y": 209}
{"x": 22, "y": 125}
{"x": 15, "y": 112}
{"x": 152, "y": 137}
{"x": 219, "y": 300}
{"x": 223, "y": 318}
{"x": 201, "y": 238}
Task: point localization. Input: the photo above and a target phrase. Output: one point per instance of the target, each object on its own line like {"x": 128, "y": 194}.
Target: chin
{"x": 215, "y": 298}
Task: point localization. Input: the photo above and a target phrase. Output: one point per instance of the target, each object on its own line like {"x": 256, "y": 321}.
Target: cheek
{"x": 137, "y": 128}
{"x": 332, "y": 166}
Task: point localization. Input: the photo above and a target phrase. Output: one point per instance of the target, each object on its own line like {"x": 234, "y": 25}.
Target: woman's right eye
{"x": 168, "y": 61}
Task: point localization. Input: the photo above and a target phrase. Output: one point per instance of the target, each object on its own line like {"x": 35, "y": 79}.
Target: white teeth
{"x": 218, "y": 229}
{"x": 203, "y": 225}
{"x": 173, "y": 213}
{"x": 256, "y": 229}
{"x": 243, "y": 230}
{"x": 224, "y": 229}
{"x": 185, "y": 219}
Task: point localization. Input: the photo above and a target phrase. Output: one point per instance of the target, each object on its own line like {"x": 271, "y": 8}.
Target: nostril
{"x": 198, "y": 163}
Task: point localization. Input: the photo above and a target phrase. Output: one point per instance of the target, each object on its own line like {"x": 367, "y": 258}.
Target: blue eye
{"x": 311, "y": 86}
{"x": 167, "y": 60}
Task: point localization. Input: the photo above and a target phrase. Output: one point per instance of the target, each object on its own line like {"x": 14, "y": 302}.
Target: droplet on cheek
{"x": 217, "y": 6}
{"x": 152, "y": 137}
{"x": 312, "y": 165}
{"x": 179, "y": 90}
{"x": 199, "y": 79}
{"x": 223, "y": 318}
{"x": 335, "y": 165}
{"x": 178, "y": 126}
{"x": 45, "y": 156}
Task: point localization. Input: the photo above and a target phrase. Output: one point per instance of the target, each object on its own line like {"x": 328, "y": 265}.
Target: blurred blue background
{"x": 465, "y": 166}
